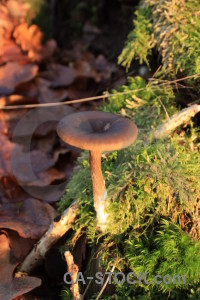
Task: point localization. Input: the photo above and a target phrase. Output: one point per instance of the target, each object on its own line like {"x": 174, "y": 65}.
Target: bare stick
{"x": 176, "y": 120}
{"x": 53, "y": 234}
{"x": 73, "y": 269}
{"x": 104, "y": 286}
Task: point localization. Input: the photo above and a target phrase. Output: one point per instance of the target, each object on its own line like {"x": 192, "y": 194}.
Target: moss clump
{"x": 173, "y": 28}
{"x": 153, "y": 199}
{"x": 138, "y": 45}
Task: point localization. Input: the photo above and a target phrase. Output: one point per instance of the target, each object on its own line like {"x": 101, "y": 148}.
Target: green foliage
{"x": 66, "y": 294}
{"x": 153, "y": 198}
{"x": 168, "y": 251}
{"x": 138, "y": 44}
{"x": 173, "y": 28}
{"x": 144, "y": 103}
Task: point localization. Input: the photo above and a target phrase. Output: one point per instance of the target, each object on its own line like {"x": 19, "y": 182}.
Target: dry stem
{"x": 73, "y": 269}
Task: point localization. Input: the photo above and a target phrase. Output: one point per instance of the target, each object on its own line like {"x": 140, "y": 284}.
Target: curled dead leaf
{"x": 28, "y": 37}
{"x": 30, "y": 217}
{"x": 11, "y": 287}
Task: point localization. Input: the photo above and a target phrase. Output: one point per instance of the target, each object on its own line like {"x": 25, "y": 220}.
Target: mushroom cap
{"x": 97, "y": 131}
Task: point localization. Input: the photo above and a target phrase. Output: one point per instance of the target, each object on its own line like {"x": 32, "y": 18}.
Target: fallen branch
{"x": 73, "y": 269}
{"x": 176, "y": 120}
{"x": 53, "y": 234}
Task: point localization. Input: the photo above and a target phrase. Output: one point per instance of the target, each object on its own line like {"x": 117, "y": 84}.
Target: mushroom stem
{"x": 99, "y": 189}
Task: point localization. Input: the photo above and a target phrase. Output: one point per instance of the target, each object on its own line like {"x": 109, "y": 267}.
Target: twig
{"x": 104, "y": 286}
{"x": 103, "y": 96}
{"x": 53, "y": 234}
{"x": 73, "y": 269}
{"x": 178, "y": 119}
{"x": 175, "y": 80}
{"x": 164, "y": 108}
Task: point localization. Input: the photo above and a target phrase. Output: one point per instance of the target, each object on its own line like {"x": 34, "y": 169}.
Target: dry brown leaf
{"x": 12, "y": 99}
{"x": 29, "y": 38}
{"x": 6, "y": 24}
{"x": 20, "y": 246}
{"x": 85, "y": 70}
{"x": 17, "y": 8}
{"x": 11, "y": 287}
{"x": 23, "y": 166}
{"x": 30, "y": 217}
{"x": 11, "y": 117}
{"x": 103, "y": 67}
{"x": 12, "y": 52}
{"x": 48, "y": 177}
{"x": 60, "y": 75}
{"x": 48, "y": 95}
{"x": 13, "y": 73}
{"x": 39, "y": 121}
{"x": 49, "y": 49}
{"x": 3, "y": 125}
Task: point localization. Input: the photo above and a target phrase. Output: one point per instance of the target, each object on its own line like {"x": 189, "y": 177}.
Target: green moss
{"x": 138, "y": 44}
{"x": 173, "y": 28}
{"x": 153, "y": 194}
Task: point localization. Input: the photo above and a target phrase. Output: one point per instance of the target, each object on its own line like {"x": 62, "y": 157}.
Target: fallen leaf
{"x": 50, "y": 193}
{"x": 21, "y": 169}
{"x": 49, "y": 49}
{"x": 48, "y": 177}
{"x": 15, "y": 74}
{"x": 20, "y": 246}
{"x": 60, "y": 75}
{"x": 3, "y": 126}
{"x": 48, "y": 95}
{"x": 11, "y": 287}
{"x": 6, "y": 24}
{"x": 29, "y": 38}
{"x": 12, "y": 99}
{"x": 12, "y": 52}
{"x": 30, "y": 217}
{"x": 40, "y": 121}
{"x": 104, "y": 67}
{"x": 11, "y": 117}
{"x": 28, "y": 90}
{"x": 85, "y": 70}
{"x": 17, "y": 8}
{"x": 23, "y": 166}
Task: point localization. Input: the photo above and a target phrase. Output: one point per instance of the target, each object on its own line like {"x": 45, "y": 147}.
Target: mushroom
{"x": 97, "y": 131}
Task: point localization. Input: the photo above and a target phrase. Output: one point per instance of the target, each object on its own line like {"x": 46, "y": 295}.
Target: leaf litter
{"x": 33, "y": 72}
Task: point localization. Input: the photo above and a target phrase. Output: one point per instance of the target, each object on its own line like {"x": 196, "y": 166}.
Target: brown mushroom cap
{"x": 97, "y": 131}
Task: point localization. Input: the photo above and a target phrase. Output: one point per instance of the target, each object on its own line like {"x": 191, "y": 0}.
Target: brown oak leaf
{"x": 30, "y": 217}
{"x": 11, "y": 287}
{"x": 13, "y": 74}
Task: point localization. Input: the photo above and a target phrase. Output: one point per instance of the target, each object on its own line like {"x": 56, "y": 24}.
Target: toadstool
{"x": 97, "y": 131}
